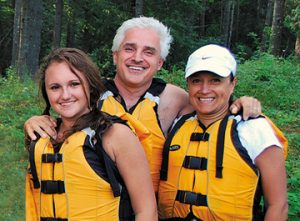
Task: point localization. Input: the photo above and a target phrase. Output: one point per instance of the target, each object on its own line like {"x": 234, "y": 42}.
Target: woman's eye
{"x": 215, "y": 80}
{"x": 54, "y": 87}
{"x": 75, "y": 83}
{"x": 196, "y": 81}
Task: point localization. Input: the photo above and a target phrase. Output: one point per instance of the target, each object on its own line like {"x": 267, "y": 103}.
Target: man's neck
{"x": 130, "y": 94}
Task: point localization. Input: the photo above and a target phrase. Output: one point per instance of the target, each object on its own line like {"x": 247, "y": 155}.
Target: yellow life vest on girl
{"x": 76, "y": 182}
{"x": 207, "y": 173}
{"x": 144, "y": 112}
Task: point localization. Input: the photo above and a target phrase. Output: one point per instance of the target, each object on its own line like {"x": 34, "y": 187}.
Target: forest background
{"x": 263, "y": 34}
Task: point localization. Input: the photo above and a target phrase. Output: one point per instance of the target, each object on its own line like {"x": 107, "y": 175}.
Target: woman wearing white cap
{"x": 215, "y": 165}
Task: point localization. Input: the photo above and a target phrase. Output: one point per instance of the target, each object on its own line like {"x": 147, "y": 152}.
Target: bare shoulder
{"x": 116, "y": 138}
{"x": 177, "y": 98}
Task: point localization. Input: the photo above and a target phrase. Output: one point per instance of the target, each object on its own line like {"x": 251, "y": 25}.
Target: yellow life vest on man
{"x": 77, "y": 181}
{"x": 207, "y": 173}
{"x": 145, "y": 111}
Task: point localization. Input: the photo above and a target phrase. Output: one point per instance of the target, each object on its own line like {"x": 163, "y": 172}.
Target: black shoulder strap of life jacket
{"x": 157, "y": 86}
{"x": 111, "y": 170}
{"x": 165, "y": 154}
{"x": 126, "y": 212}
{"x": 220, "y": 147}
{"x": 33, "y": 172}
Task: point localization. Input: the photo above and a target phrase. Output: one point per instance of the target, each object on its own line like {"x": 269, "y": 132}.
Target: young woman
{"x": 81, "y": 174}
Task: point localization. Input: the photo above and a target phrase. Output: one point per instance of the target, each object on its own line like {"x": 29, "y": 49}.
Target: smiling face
{"x": 209, "y": 94}
{"x": 67, "y": 93}
{"x": 138, "y": 58}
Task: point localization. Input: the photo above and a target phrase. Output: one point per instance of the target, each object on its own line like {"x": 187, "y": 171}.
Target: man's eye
{"x": 149, "y": 52}
{"x": 128, "y": 49}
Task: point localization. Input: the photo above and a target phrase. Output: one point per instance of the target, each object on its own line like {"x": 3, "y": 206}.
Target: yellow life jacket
{"x": 207, "y": 173}
{"x": 77, "y": 182}
{"x": 145, "y": 112}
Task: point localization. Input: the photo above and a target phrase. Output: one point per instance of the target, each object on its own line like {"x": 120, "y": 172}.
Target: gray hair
{"x": 145, "y": 22}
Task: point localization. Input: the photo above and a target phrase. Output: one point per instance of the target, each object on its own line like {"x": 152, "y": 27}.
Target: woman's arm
{"x": 273, "y": 175}
{"x": 125, "y": 149}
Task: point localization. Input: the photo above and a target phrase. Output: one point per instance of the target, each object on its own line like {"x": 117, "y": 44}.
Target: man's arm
{"x": 43, "y": 125}
{"x": 251, "y": 107}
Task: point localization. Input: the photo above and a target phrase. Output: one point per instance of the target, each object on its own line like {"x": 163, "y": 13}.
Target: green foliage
{"x": 18, "y": 101}
{"x": 292, "y": 20}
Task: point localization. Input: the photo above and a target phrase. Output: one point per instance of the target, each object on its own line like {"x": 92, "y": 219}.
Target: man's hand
{"x": 250, "y": 105}
{"x": 43, "y": 125}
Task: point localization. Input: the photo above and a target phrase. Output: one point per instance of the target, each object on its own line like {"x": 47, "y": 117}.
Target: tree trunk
{"x": 26, "y": 49}
{"x": 202, "y": 19}
{"x": 16, "y": 32}
{"x": 297, "y": 45}
{"x": 264, "y": 45}
{"x": 70, "y": 26}
{"x": 277, "y": 24}
{"x": 139, "y": 7}
{"x": 58, "y": 22}
{"x": 228, "y": 21}
{"x": 237, "y": 23}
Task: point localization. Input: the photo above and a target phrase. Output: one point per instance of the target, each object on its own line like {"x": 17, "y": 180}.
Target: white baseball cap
{"x": 211, "y": 58}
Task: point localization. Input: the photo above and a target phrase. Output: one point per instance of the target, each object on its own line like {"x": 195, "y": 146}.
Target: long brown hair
{"x": 77, "y": 59}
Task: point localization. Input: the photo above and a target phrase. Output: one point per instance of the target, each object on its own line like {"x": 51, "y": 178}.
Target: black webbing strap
{"x": 111, "y": 170}
{"x": 35, "y": 180}
{"x": 199, "y": 137}
{"x": 165, "y": 154}
{"x": 51, "y": 158}
{"x": 52, "y": 186}
{"x": 220, "y": 147}
{"x": 53, "y": 219}
{"x": 191, "y": 198}
{"x": 157, "y": 86}
{"x": 197, "y": 163}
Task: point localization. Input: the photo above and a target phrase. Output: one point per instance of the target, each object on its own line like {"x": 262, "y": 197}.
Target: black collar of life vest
{"x": 156, "y": 88}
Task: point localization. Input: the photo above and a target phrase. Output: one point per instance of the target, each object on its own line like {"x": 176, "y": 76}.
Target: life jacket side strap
{"x": 53, "y": 219}
{"x": 165, "y": 154}
{"x": 36, "y": 183}
{"x": 220, "y": 147}
{"x": 191, "y": 198}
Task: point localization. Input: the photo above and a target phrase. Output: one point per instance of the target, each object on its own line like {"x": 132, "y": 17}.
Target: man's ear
{"x": 115, "y": 57}
{"x": 160, "y": 64}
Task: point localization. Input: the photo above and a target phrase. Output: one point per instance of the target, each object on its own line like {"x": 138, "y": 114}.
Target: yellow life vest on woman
{"x": 145, "y": 111}
{"x": 207, "y": 173}
{"x": 74, "y": 182}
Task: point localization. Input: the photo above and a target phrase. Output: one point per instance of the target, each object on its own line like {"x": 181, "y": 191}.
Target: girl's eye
{"x": 54, "y": 87}
{"x": 75, "y": 83}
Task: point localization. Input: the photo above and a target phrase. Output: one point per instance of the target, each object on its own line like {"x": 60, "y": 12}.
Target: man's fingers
{"x": 42, "y": 125}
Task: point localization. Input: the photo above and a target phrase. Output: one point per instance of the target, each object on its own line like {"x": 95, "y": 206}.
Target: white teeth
{"x": 206, "y": 99}
{"x": 136, "y": 68}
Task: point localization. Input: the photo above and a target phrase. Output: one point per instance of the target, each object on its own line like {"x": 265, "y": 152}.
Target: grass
{"x": 275, "y": 82}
